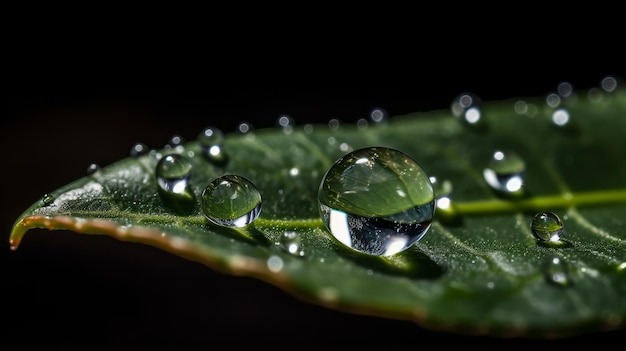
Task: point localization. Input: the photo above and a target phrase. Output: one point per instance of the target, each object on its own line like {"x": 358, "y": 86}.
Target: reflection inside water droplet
{"x": 232, "y": 201}
{"x": 505, "y": 172}
{"x": 377, "y": 201}
{"x": 547, "y": 226}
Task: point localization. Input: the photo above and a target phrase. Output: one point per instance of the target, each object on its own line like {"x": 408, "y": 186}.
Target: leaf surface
{"x": 478, "y": 270}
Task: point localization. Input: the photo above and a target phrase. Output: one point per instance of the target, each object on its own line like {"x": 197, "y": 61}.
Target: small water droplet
{"x": 334, "y": 124}
{"x": 290, "y": 242}
{"x": 553, "y": 100}
{"x": 275, "y": 263}
{"x": 232, "y": 201}
{"x": 556, "y": 272}
{"x": 609, "y": 84}
{"x": 547, "y": 226}
{"x": 377, "y": 201}
{"x": 93, "y": 168}
{"x": 47, "y": 199}
{"x": 560, "y": 117}
{"x": 175, "y": 140}
{"x": 286, "y": 123}
{"x": 565, "y": 89}
{"x": 211, "y": 140}
{"x": 379, "y": 116}
{"x": 139, "y": 149}
{"x": 362, "y": 124}
{"x": 173, "y": 173}
{"x": 308, "y": 128}
{"x": 467, "y": 107}
{"x": 245, "y": 127}
{"x": 505, "y": 172}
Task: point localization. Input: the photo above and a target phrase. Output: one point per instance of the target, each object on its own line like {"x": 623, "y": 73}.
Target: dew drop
{"x": 286, "y": 123}
{"x": 467, "y": 107}
{"x": 379, "y": 115}
{"x": 139, "y": 149}
{"x": 505, "y": 172}
{"x": 565, "y": 89}
{"x": 93, "y": 168}
{"x": 556, "y": 272}
{"x": 377, "y": 201}
{"x": 173, "y": 173}
{"x": 560, "y": 117}
{"x": 553, "y": 100}
{"x": 290, "y": 242}
{"x": 47, "y": 199}
{"x": 245, "y": 127}
{"x": 232, "y": 201}
{"x": 175, "y": 140}
{"x": 609, "y": 84}
{"x": 547, "y": 226}
{"x": 211, "y": 140}
{"x": 334, "y": 124}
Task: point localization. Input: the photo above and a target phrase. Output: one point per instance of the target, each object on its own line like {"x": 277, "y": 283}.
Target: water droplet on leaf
{"x": 139, "y": 149}
{"x": 173, "y": 172}
{"x": 556, "y": 272}
{"x": 467, "y": 107}
{"x": 47, "y": 199}
{"x": 547, "y": 226}
{"x": 211, "y": 140}
{"x": 232, "y": 201}
{"x": 505, "y": 172}
{"x": 93, "y": 168}
{"x": 377, "y": 201}
{"x": 290, "y": 242}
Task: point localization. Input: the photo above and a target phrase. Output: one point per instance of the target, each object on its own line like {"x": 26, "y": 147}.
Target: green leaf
{"x": 478, "y": 270}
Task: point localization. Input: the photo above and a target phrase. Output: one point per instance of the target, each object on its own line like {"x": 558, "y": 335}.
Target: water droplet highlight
{"x": 231, "y": 201}
{"x": 547, "y": 226}
{"x": 505, "y": 172}
{"x": 173, "y": 173}
{"x": 377, "y": 201}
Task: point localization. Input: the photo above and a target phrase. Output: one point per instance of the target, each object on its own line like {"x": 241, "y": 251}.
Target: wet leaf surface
{"x": 478, "y": 270}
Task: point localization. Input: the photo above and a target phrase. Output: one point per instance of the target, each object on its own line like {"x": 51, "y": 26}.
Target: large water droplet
{"x": 547, "y": 226}
{"x": 377, "y": 201}
{"x": 173, "y": 173}
{"x": 232, "y": 201}
{"x": 211, "y": 140}
{"x": 505, "y": 172}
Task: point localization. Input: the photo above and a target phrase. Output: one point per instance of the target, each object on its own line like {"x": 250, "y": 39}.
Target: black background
{"x": 71, "y": 291}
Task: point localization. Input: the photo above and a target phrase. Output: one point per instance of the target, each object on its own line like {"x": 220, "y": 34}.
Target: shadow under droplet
{"x": 555, "y": 244}
{"x": 410, "y": 263}
{"x": 183, "y": 204}
{"x": 246, "y": 234}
